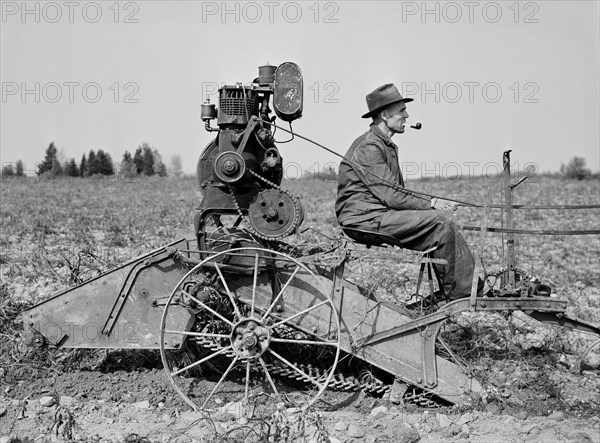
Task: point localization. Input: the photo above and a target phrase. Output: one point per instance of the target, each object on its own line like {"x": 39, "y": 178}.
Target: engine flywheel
{"x": 275, "y": 213}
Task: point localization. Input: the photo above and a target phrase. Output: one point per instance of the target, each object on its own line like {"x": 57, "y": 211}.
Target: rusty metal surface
{"x": 75, "y": 318}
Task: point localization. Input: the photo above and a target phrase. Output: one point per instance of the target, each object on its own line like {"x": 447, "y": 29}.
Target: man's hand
{"x": 445, "y": 205}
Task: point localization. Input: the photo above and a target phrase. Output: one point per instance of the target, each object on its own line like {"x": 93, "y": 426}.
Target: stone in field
{"x": 557, "y": 415}
{"x": 47, "y": 401}
{"x": 406, "y": 434}
{"x": 340, "y": 426}
{"x": 142, "y": 404}
{"x": 379, "y": 412}
{"x": 355, "y": 431}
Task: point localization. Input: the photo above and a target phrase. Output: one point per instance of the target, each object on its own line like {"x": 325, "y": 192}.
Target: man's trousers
{"x": 421, "y": 230}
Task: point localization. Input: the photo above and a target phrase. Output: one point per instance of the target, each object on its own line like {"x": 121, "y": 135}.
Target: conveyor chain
{"x": 339, "y": 381}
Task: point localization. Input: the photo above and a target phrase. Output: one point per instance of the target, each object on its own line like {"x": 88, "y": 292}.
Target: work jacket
{"x": 363, "y": 196}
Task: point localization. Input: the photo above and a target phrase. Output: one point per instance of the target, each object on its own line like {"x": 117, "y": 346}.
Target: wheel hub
{"x": 250, "y": 338}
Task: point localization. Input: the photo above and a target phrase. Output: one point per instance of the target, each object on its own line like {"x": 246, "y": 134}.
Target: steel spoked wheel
{"x": 263, "y": 332}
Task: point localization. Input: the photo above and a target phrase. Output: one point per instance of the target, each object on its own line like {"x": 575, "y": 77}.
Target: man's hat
{"x": 383, "y": 96}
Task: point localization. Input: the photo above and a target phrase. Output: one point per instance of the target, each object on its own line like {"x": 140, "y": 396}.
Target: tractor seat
{"x": 370, "y": 238}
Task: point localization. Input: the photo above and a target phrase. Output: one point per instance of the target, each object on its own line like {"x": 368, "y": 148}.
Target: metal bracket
{"x": 128, "y": 284}
{"x": 252, "y": 123}
{"x": 539, "y": 304}
{"x": 428, "y": 354}
{"x": 427, "y": 263}
{"x": 479, "y": 253}
{"x": 337, "y": 289}
{"x": 398, "y": 390}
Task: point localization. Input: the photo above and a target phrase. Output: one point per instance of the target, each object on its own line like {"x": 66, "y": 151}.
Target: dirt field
{"x": 57, "y": 233}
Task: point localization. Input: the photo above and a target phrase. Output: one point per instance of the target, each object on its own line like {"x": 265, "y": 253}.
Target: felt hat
{"x": 383, "y": 96}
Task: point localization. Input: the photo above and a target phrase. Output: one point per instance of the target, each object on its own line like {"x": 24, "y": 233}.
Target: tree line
{"x": 145, "y": 160}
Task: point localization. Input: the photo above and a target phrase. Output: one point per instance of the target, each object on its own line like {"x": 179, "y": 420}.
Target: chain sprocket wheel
{"x": 274, "y": 213}
{"x": 251, "y": 333}
{"x": 274, "y": 229}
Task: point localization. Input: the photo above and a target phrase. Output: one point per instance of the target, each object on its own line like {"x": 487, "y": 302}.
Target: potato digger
{"x": 243, "y": 317}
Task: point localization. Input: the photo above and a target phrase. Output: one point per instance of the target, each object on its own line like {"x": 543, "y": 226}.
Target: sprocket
{"x": 275, "y": 213}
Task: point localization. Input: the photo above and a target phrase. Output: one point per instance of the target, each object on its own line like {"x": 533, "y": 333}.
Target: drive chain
{"x": 338, "y": 382}
{"x": 253, "y": 231}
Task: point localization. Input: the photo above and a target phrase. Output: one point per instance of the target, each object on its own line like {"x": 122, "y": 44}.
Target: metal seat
{"x": 370, "y": 238}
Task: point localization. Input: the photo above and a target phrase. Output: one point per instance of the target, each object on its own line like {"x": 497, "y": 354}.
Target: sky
{"x": 485, "y": 77}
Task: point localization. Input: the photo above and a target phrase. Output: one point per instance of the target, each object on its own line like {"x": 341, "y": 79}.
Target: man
{"x": 370, "y": 195}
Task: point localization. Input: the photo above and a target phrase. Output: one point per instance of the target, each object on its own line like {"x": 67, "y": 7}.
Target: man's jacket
{"x": 361, "y": 195}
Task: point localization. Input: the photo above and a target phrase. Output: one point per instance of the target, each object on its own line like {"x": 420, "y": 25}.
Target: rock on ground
{"x": 47, "y": 401}
{"x": 379, "y": 412}
{"x": 355, "y": 431}
{"x": 340, "y": 426}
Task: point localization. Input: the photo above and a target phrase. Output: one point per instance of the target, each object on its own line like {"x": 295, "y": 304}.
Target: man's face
{"x": 395, "y": 116}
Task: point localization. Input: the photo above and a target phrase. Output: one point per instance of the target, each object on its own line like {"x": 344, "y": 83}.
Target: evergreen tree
{"x": 148, "y": 156}
{"x": 162, "y": 170}
{"x": 108, "y": 167}
{"x": 20, "y": 168}
{"x": 92, "y": 164}
{"x": 8, "y": 170}
{"x": 105, "y": 166}
{"x": 128, "y": 168}
{"x": 83, "y": 169}
{"x": 72, "y": 170}
{"x": 138, "y": 160}
{"x": 56, "y": 169}
{"x": 48, "y": 162}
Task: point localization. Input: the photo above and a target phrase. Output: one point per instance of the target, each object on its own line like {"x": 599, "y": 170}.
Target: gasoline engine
{"x": 240, "y": 171}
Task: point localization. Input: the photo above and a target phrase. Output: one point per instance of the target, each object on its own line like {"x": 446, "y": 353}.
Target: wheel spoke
{"x": 209, "y": 309}
{"x": 254, "y": 284}
{"x": 299, "y": 371}
{"x": 220, "y": 381}
{"x": 304, "y": 342}
{"x": 229, "y": 294}
{"x": 281, "y": 292}
{"x": 300, "y": 313}
{"x": 264, "y": 366}
{"x": 198, "y": 334}
{"x": 190, "y": 366}
{"x": 219, "y": 352}
{"x": 247, "y": 381}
